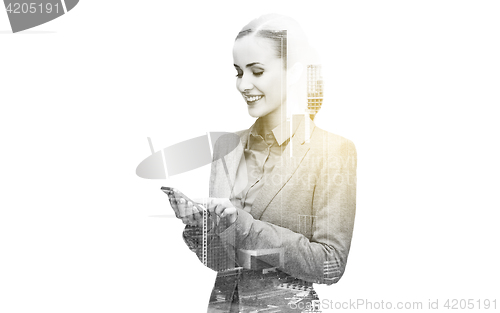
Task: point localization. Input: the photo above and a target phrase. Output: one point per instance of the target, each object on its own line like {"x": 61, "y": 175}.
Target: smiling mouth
{"x": 252, "y": 99}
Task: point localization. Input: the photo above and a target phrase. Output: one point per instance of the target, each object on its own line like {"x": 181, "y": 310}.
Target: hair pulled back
{"x": 289, "y": 41}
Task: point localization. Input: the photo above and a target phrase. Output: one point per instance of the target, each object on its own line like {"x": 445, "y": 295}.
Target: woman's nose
{"x": 244, "y": 83}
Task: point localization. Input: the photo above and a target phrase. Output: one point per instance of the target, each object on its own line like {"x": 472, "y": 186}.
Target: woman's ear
{"x": 294, "y": 73}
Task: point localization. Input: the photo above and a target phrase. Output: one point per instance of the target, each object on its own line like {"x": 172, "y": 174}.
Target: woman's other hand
{"x": 224, "y": 209}
{"x": 221, "y": 211}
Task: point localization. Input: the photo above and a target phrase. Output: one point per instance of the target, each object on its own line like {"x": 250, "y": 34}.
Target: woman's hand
{"x": 187, "y": 210}
{"x": 224, "y": 209}
{"x": 191, "y": 212}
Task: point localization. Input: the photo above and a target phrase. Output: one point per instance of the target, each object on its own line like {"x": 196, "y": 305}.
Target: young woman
{"x": 283, "y": 201}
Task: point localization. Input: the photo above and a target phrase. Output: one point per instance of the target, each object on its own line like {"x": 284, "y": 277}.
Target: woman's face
{"x": 259, "y": 75}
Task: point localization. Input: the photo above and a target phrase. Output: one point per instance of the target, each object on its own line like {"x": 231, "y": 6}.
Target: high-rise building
{"x": 214, "y": 251}
{"x": 331, "y": 271}
{"x": 314, "y": 89}
{"x": 305, "y": 223}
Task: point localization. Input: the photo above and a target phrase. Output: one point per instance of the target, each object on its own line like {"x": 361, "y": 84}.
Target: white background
{"x": 415, "y": 85}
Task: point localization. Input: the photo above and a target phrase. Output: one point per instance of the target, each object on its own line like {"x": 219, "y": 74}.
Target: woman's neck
{"x": 269, "y": 122}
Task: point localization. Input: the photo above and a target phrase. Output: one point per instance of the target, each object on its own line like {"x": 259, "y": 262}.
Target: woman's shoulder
{"x": 229, "y": 141}
{"x": 242, "y": 133}
{"x": 232, "y": 137}
{"x": 324, "y": 140}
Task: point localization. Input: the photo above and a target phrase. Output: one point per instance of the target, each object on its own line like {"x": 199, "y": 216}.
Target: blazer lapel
{"x": 226, "y": 169}
{"x": 234, "y": 161}
{"x": 291, "y": 158}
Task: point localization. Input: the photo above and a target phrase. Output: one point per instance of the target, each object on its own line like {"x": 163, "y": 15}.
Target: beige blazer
{"x": 306, "y": 207}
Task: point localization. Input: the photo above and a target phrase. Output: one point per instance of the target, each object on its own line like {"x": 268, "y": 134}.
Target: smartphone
{"x": 179, "y": 194}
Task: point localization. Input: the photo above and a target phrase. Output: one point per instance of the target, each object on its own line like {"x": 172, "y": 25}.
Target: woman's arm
{"x": 322, "y": 257}
{"x": 319, "y": 257}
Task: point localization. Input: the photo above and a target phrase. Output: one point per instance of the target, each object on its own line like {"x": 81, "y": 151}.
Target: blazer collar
{"x": 281, "y": 133}
{"x": 291, "y": 158}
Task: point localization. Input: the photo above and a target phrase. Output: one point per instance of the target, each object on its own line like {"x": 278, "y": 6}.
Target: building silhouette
{"x": 331, "y": 271}
{"x": 314, "y": 89}
{"x": 213, "y": 251}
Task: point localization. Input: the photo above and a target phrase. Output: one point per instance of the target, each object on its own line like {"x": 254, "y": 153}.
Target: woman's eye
{"x": 239, "y": 74}
{"x": 258, "y": 73}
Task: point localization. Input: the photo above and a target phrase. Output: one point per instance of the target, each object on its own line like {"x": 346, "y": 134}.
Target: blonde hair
{"x": 290, "y": 41}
